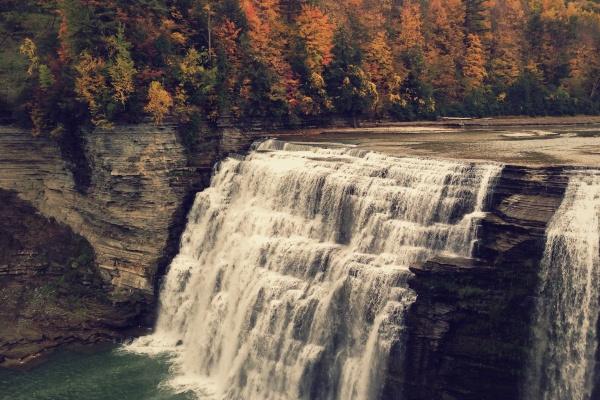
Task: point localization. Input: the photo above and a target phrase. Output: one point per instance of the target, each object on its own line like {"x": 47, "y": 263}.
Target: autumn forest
{"x": 66, "y": 63}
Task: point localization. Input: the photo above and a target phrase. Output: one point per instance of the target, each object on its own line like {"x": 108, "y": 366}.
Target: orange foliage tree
{"x": 316, "y": 31}
{"x": 91, "y": 87}
{"x": 507, "y": 41}
{"x": 410, "y": 36}
{"x": 444, "y": 45}
{"x": 379, "y": 64}
{"x": 268, "y": 43}
{"x": 474, "y": 70}
{"x": 121, "y": 69}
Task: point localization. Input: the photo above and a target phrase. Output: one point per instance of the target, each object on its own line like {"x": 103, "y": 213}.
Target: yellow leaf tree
{"x": 584, "y": 58}
{"x": 29, "y": 49}
{"x": 268, "y": 43}
{"x": 444, "y": 46}
{"x": 121, "y": 69}
{"x": 410, "y": 36}
{"x": 91, "y": 86}
{"x": 379, "y": 65}
{"x": 159, "y": 102}
{"x": 316, "y": 31}
{"x": 507, "y": 41}
{"x": 227, "y": 34}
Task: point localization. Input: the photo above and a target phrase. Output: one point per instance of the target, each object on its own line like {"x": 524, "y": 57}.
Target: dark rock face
{"x": 50, "y": 289}
{"x": 31, "y": 245}
{"x": 468, "y": 331}
{"x": 132, "y": 208}
{"x": 142, "y": 182}
{"x": 129, "y": 217}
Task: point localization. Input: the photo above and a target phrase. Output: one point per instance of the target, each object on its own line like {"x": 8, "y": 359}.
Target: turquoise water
{"x": 105, "y": 374}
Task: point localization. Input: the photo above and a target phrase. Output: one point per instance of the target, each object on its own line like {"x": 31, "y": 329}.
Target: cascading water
{"x": 564, "y": 336}
{"x": 291, "y": 281}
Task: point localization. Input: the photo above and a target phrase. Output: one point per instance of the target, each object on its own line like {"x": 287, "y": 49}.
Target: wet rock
{"x": 468, "y": 331}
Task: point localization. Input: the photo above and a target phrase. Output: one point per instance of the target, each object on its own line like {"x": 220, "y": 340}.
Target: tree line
{"x": 100, "y": 62}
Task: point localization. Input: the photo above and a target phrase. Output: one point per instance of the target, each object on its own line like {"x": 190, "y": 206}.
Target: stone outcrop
{"x": 140, "y": 178}
{"x": 31, "y": 245}
{"x": 50, "y": 289}
{"x": 129, "y": 218}
{"x": 469, "y": 330}
{"x": 129, "y": 215}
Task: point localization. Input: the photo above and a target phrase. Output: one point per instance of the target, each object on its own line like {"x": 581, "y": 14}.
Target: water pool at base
{"x": 101, "y": 374}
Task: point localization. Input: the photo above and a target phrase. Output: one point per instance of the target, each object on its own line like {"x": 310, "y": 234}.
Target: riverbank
{"x": 341, "y": 126}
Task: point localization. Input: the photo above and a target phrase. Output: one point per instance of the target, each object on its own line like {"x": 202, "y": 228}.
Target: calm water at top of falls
{"x": 94, "y": 374}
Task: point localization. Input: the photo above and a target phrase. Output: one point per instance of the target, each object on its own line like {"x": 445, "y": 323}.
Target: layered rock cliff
{"x": 129, "y": 217}
{"x": 469, "y": 330}
{"x": 140, "y": 176}
{"x": 50, "y": 289}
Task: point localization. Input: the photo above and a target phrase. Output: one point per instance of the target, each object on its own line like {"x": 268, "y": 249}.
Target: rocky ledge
{"x": 130, "y": 214}
{"x": 124, "y": 225}
{"x": 140, "y": 178}
{"x": 469, "y": 330}
{"x": 50, "y": 289}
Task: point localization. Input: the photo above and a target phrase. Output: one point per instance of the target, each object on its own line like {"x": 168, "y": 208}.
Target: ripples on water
{"x": 105, "y": 374}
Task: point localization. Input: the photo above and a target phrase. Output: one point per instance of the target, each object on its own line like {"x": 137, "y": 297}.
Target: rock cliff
{"x": 142, "y": 181}
{"x": 50, "y": 289}
{"x": 140, "y": 176}
{"x": 468, "y": 331}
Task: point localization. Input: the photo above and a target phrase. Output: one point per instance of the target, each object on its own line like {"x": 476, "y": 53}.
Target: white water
{"x": 565, "y": 337}
{"x": 291, "y": 281}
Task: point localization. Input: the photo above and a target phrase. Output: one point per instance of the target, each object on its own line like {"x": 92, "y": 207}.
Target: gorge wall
{"x": 468, "y": 332}
{"x": 50, "y": 289}
{"x": 140, "y": 177}
{"x": 142, "y": 182}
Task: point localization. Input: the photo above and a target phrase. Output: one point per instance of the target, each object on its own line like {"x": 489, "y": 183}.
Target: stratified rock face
{"x": 140, "y": 176}
{"x": 50, "y": 290}
{"x": 31, "y": 245}
{"x": 469, "y": 330}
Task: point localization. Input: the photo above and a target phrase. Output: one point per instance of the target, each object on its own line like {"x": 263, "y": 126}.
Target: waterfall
{"x": 565, "y": 337}
{"x": 291, "y": 280}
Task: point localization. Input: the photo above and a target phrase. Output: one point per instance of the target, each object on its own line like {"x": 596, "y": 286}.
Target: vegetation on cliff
{"x": 65, "y": 63}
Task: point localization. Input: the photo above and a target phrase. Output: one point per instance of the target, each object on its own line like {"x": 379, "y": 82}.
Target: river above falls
{"x": 573, "y": 145}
